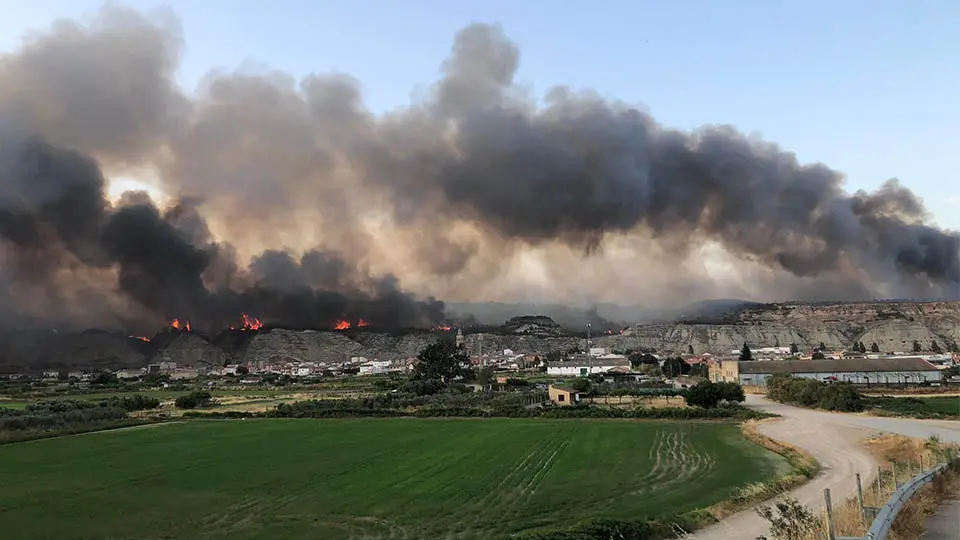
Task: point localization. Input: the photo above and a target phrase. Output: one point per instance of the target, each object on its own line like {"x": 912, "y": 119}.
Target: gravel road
{"x": 834, "y": 440}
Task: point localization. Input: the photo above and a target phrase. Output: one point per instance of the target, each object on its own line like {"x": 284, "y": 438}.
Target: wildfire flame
{"x": 251, "y": 323}
{"x": 177, "y": 324}
{"x": 442, "y": 328}
{"x": 362, "y": 323}
{"x": 141, "y": 338}
{"x": 342, "y": 325}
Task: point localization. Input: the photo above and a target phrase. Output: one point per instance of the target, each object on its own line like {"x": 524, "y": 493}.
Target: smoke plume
{"x": 293, "y": 202}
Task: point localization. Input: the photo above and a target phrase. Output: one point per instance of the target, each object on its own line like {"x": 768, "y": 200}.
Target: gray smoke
{"x": 293, "y": 201}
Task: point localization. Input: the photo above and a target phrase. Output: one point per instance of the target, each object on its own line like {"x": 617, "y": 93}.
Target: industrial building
{"x": 861, "y": 371}
{"x": 582, "y": 365}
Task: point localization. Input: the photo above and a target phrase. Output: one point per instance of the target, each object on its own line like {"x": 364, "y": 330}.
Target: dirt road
{"x": 834, "y": 440}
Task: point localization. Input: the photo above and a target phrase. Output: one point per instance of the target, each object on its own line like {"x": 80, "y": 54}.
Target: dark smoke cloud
{"x": 294, "y": 203}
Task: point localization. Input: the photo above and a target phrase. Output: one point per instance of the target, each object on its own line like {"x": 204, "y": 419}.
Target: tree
{"x": 690, "y": 349}
{"x": 193, "y": 400}
{"x": 582, "y": 384}
{"x": 731, "y": 392}
{"x": 818, "y": 355}
{"x": 243, "y": 370}
{"x": 794, "y": 348}
{"x": 745, "y": 353}
{"x": 875, "y": 348}
{"x": 441, "y": 360}
{"x": 638, "y": 359}
{"x": 935, "y": 347}
{"x": 953, "y": 347}
{"x": 673, "y": 367}
{"x": 707, "y": 394}
{"x": 916, "y": 346}
{"x": 861, "y": 347}
{"x": 704, "y": 394}
{"x": 822, "y": 346}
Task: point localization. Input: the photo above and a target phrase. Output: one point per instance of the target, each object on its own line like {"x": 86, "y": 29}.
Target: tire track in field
{"x": 676, "y": 461}
{"x": 505, "y": 500}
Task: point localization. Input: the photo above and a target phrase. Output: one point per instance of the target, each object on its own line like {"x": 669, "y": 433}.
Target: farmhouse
{"x": 861, "y": 371}
{"x": 563, "y": 395}
{"x": 583, "y": 365}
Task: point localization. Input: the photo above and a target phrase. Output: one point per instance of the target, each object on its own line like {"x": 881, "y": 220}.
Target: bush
{"x": 813, "y": 393}
{"x": 708, "y": 394}
{"x": 136, "y": 402}
{"x": 194, "y": 400}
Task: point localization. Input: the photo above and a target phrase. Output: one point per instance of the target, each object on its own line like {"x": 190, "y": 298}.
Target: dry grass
{"x": 902, "y": 454}
{"x": 803, "y": 467}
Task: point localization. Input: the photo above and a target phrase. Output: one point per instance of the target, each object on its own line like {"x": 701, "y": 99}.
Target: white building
{"x": 859, "y": 371}
{"x": 581, "y": 365}
{"x": 375, "y": 367}
{"x": 130, "y": 373}
{"x": 302, "y": 371}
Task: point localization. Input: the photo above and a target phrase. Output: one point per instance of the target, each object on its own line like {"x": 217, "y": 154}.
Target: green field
{"x": 920, "y": 407}
{"x": 384, "y": 478}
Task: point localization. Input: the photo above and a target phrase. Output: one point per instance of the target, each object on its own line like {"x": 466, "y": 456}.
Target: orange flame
{"x": 341, "y": 325}
{"x": 362, "y": 323}
{"x": 251, "y": 323}
{"x": 141, "y": 338}
{"x": 442, "y": 328}
{"x": 177, "y": 324}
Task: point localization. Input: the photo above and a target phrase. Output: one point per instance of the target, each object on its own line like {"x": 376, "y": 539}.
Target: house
{"x": 130, "y": 373}
{"x": 374, "y": 367}
{"x": 563, "y": 395}
{"x": 898, "y": 370}
{"x": 583, "y": 365}
{"x": 186, "y": 373}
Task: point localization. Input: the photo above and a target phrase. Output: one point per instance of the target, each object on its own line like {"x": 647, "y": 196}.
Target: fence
{"x": 884, "y": 516}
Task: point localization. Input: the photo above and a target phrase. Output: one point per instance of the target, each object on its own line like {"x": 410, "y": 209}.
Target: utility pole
{"x": 589, "y": 355}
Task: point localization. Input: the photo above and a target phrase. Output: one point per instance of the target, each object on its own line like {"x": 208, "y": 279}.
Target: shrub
{"x": 136, "y": 402}
{"x": 194, "y": 400}
{"x": 812, "y": 393}
{"x": 708, "y": 394}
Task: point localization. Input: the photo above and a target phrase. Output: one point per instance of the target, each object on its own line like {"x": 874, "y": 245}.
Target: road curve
{"x": 834, "y": 440}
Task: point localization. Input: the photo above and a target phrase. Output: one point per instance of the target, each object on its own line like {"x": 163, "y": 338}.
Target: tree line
{"x": 53, "y": 417}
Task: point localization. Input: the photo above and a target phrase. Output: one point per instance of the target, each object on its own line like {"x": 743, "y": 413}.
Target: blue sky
{"x": 868, "y": 87}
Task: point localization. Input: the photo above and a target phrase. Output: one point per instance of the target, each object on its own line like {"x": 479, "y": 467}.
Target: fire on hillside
{"x": 177, "y": 324}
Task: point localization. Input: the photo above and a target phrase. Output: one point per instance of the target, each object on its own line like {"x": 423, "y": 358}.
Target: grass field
{"x": 385, "y": 478}
{"x": 917, "y": 406}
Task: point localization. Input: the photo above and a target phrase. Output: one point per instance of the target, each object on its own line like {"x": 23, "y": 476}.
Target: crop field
{"x": 370, "y": 478}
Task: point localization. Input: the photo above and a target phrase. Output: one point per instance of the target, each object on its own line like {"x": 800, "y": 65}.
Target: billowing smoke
{"x": 291, "y": 201}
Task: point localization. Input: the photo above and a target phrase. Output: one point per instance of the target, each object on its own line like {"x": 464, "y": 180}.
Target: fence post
{"x": 879, "y": 486}
{"x": 831, "y": 533}
{"x": 860, "y": 499}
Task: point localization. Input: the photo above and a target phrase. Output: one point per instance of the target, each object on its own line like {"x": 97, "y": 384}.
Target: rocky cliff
{"x": 893, "y": 326}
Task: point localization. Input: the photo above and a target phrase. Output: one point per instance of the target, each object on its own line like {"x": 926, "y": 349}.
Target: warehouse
{"x": 860, "y": 371}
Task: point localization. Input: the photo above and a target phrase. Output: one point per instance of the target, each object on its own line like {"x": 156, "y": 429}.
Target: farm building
{"x": 583, "y": 365}
{"x": 860, "y": 371}
{"x": 563, "y": 395}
